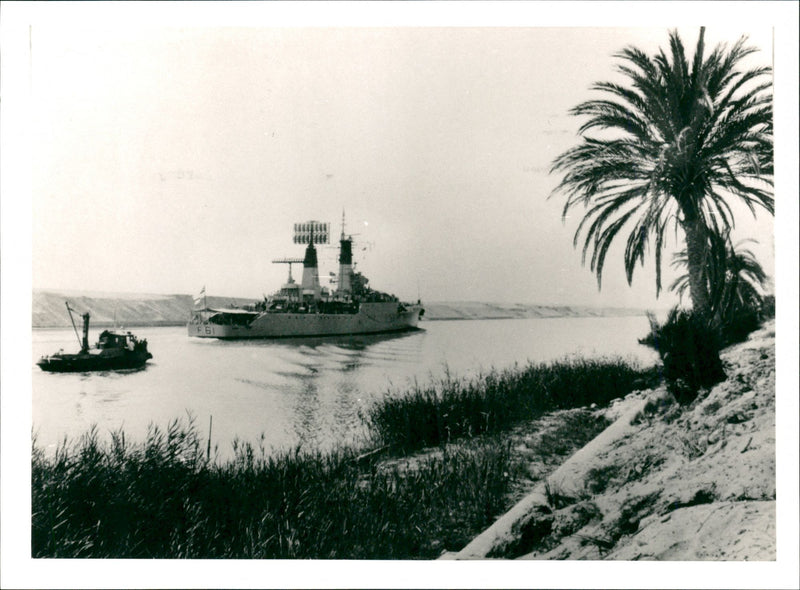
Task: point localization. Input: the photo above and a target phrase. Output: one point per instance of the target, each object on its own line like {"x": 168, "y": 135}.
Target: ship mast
{"x": 290, "y": 262}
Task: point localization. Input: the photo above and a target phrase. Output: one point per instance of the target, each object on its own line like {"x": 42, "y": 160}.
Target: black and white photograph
{"x": 447, "y": 294}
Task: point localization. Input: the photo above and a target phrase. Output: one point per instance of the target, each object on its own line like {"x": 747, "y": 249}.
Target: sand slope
{"x": 122, "y": 309}
{"x": 142, "y": 309}
{"x": 662, "y": 482}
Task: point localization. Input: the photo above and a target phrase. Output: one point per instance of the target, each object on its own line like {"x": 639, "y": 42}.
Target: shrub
{"x": 689, "y": 348}
{"x": 740, "y": 325}
{"x": 740, "y": 320}
{"x": 462, "y": 408}
{"x": 767, "y": 310}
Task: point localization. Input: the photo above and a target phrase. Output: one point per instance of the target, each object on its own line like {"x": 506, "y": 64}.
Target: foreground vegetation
{"x": 164, "y": 498}
{"x": 454, "y": 408}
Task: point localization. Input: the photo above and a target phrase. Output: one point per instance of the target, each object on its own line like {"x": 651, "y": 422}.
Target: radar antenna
{"x": 290, "y": 262}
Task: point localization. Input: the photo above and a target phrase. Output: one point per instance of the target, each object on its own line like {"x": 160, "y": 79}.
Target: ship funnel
{"x": 310, "y": 283}
{"x": 345, "y": 265}
{"x": 344, "y": 286}
{"x": 311, "y": 232}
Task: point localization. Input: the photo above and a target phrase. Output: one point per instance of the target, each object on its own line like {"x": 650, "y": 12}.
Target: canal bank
{"x": 663, "y": 482}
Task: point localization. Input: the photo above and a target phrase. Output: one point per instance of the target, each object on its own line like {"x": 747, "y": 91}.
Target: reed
{"x": 163, "y": 499}
{"x": 454, "y": 408}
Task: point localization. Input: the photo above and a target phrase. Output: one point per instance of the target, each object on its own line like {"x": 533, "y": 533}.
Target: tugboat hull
{"x": 80, "y": 363}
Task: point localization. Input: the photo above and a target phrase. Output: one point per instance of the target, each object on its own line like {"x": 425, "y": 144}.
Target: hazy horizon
{"x": 132, "y": 295}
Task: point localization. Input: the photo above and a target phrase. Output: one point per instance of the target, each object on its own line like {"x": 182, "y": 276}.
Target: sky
{"x": 168, "y": 158}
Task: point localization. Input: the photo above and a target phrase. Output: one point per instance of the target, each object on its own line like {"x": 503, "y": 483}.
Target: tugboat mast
{"x": 84, "y": 344}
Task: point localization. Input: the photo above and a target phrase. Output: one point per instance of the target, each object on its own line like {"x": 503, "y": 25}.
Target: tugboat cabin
{"x": 111, "y": 340}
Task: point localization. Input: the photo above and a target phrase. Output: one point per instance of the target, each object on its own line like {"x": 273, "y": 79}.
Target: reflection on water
{"x": 307, "y": 391}
{"x": 306, "y": 409}
{"x": 333, "y": 362}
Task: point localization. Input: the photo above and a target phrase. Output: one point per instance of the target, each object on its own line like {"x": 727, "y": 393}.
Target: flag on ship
{"x": 200, "y": 298}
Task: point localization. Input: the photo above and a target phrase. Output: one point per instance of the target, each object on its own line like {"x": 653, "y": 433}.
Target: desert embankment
{"x": 663, "y": 482}
{"x": 141, "y": 309}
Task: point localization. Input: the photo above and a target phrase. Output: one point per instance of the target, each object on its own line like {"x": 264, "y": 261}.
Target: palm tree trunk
{"x": 704, "y": 344}
{"x": 696, "y": 249}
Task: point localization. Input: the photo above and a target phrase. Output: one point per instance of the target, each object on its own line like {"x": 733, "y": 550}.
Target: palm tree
{"x": 676, "y": 144}
{"x": 735, "y": 280}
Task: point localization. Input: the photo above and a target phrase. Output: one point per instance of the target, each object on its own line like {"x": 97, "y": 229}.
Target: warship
{"x": 307, "y": 308}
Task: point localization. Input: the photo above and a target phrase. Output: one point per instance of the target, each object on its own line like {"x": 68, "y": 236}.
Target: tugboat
{"x": 306, "y": 308}
{"x": 115, "y": 350}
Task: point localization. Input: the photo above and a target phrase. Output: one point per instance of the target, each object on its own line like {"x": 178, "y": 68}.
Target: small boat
{"x": 115, "y": 350}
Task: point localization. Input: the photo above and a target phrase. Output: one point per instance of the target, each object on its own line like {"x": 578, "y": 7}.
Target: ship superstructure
{"x": 307, "y": 308}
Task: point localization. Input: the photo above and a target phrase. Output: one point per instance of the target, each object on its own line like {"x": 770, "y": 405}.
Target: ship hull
{"x": 371, "y": 318}
{"x": 84, "y": 362}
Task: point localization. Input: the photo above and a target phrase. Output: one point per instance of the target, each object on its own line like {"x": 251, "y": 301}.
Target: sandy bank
{"x": 662, "y": 482}
{"x": 141, "y": 309}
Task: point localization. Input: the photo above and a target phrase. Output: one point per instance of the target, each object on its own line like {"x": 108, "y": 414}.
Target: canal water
{"x": 303, "y": 391}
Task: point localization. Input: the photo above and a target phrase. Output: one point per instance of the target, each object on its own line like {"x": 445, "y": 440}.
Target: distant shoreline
{"x": 128, "y": 325}
{"x": 438, "y": 319}
{"x": 147, "y": 310}
{"x": 106, "y": 325}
